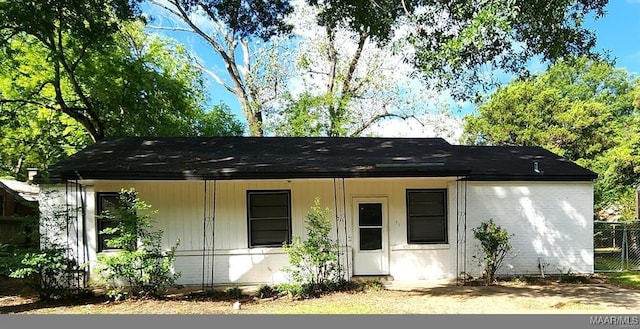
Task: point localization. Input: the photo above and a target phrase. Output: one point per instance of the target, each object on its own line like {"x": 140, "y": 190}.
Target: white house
{"x": 403, "y": 207}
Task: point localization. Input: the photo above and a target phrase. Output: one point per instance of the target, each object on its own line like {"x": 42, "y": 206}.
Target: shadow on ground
{"x": 586, "y": 294}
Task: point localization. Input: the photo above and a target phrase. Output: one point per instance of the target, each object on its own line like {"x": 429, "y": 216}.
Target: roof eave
{"x": 540, "y": 178}
{"x": 61, "y": 177}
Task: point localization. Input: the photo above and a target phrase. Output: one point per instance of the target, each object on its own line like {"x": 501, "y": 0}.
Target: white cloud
{"x": 430, "y": 125}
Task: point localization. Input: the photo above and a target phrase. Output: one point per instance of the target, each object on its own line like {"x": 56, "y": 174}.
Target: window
{"x": 106, "y": 202}
{"x": 2, "y": 206}
{"x": 370, "y": 226}
{"x": 269, "y": 216}
{"x": 427, "y": 216}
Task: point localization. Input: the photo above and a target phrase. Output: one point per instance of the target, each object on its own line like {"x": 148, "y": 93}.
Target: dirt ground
{"x": 597, "y": 296}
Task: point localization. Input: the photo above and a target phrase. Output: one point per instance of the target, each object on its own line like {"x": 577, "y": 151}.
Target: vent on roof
{"x": 536, "y": 168}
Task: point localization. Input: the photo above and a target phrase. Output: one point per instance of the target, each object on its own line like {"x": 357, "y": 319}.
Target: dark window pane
{"x": 370, "y": 214}
{"x": 107, "y": 204}
{"x": 269, "y": 238}
{"x": 426, "y": 197}
{"x": 269, "y": 218}
{"x": 425, "y": 229}
{"x": 370, "y": 238}
{"x": 424, "y": 209}
{"x": 426, "y": 216}
{"x": 269, "y": 224}
{"x": 269, "y": 211}
{"x": 269, "y": 199}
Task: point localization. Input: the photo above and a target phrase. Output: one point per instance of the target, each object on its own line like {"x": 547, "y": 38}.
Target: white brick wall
{"x": 552, "y": 223}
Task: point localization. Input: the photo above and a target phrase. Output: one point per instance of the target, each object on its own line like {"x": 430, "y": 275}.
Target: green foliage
{"x": 314, "y": 261}
{"x": 266, "y": 291}
{"x": 73, "y": 71}
{"x": 141, "y": 262}
{"x": 234, "y": 293}
{"x": 571, "y": 277}
{"x": 495, "y": 243}
{"x": 46, "y": 47}
{"x": 303, "y": 117}
{"x": 625, "y": 279}
{"x": 297, "y": 290}
{"x": 246, "y": 19}
{"x": 473, "y": 36}
{"x": 11, "y": 258}
{"x": 219, "y": 121}
{"x": 583, "y": 110}
{"x": 133, "y": 84}
{"x": 50, "y": 271}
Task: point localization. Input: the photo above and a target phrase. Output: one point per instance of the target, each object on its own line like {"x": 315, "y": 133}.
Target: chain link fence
{"x": 616, "y": 246}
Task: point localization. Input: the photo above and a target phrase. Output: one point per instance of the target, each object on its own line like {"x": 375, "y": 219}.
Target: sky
{"x": 617, "y": 33}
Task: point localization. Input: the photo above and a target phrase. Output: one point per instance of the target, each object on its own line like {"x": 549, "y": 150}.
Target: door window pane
{"x": 370, "y": 214}
{"x": 370, "y": 238}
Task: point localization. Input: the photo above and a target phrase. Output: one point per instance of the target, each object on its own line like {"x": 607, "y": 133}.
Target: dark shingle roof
{"x": 182, "y": 158}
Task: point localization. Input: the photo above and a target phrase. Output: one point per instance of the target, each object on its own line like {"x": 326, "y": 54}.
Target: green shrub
{"x": 141, "y": 263}
{"x": 234, "y": 292}
{"x": 266, "y": 291}
{"x": 571, "y": 277}
{"x": 495, "y": 242}
{"x": 314, "y": 262}
{"x": 11, "y": 258}
{"x": 51, "y": 270}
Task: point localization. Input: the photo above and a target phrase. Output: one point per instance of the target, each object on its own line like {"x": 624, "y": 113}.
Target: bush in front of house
{"x": 314, "y": 266}
{"x": 495, "y": 243}
{"x": 140, "y": 262}
{"x": 51, "y": 270}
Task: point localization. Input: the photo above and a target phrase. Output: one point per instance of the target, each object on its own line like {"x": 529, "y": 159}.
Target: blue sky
{"x": 619, "y": 32}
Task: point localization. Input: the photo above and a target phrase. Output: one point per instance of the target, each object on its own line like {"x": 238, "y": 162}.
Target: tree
{"x": 456, "y": 41}
{"x": 581, "y": 109}
{"x": 36, "y": 137}
{"x": 62, "y": 34}
{"x": 136, "y": 84}
{"x": 235, "y": 25}
{"x": 348, "y": 82}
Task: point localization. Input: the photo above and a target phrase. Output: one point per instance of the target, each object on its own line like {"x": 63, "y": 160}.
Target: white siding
{"x": 180, "y": 215}
{"x": 551, "y": 222}
{"x": 411, "y": 261}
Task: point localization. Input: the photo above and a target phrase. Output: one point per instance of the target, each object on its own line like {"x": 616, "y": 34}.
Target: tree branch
{"x": 167, "y": 28}
{"x": 381, "y": 116}
{"x": 214, "y": 76}
{"x": 346, "y": 84}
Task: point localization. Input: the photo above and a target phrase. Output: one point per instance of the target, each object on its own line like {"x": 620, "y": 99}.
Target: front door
{"x": 371, "y": 245}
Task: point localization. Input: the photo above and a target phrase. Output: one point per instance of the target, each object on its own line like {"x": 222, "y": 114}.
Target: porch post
{"x": 461, "y": 231}
{"x": 208, "y": 234}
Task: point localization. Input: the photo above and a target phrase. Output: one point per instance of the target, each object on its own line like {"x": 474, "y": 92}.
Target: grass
{"x": 530, "y": 295}
{"x": 625, "y": 279}
{"x": 607, "y": 263}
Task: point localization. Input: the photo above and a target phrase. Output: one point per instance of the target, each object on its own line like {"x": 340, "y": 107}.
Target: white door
{"x": 371, "y": 242}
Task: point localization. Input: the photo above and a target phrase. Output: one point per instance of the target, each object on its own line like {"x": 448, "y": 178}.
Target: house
{"x": 403, "y": 207}
{"x": 18, "y": 212}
